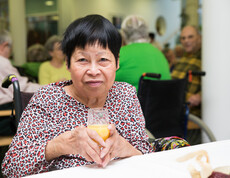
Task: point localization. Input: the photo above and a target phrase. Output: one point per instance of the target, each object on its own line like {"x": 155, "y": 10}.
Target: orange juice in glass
{"x": 98, "y": 120}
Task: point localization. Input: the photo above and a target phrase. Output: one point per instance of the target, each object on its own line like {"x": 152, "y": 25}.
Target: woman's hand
{"x": 116, "y": 146}
{"x": 77, "y": 141}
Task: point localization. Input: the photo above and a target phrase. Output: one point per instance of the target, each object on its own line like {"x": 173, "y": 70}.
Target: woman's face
{"x": 92, "y": 70}
{"x": 57, "y": 53}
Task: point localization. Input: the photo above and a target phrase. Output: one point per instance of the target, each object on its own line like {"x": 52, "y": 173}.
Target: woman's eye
{"x": 104, "y": 59}
{"x": 81, "y": 60}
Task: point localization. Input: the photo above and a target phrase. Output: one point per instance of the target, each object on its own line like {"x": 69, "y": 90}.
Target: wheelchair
{"x": 164, "y": 107}
{"x": 21, "y": 99}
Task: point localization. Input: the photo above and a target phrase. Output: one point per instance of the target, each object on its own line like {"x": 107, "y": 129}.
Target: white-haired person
{"x": 6, "y": 95}
{"x": 6, "y": 68}
{"x": 138, "y": 55}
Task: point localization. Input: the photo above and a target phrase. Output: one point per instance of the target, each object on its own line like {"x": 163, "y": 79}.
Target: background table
{"x": 161, "y": 164}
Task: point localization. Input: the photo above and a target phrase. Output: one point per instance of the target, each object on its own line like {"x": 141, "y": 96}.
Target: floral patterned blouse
{"x": 51, "y": 112}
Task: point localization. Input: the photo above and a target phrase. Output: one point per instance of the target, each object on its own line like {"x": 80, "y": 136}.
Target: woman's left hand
{"x": 116, "y": 146}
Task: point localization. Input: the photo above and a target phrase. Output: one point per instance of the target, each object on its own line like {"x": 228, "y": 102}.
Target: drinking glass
{"x": 98, "y": 120}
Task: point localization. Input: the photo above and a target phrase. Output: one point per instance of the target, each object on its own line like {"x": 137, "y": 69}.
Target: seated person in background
{"x": 54, "y": 70}
{"x": 191, "y": 42}
{"x": 53, "y": 133}
{"x": 138, "y": 55}
{"x": 36, "y": 54}
{"x": 6, "y": 68}
{"x": 154, "y": 42}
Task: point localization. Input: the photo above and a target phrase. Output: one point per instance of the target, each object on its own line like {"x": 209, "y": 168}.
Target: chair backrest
{"x": 163, "y": 102}
{"x": 21, "y": 99}
{"x": 25, "y": 98}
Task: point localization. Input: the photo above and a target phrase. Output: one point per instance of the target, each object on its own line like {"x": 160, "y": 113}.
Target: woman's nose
{"x": 93, "y": 69}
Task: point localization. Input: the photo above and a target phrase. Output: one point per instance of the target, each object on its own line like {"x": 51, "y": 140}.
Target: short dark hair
{"x": 89, "y": 30}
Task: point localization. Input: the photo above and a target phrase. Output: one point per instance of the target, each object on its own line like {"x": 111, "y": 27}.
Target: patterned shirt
{"x": 193, "y": 63}
{"x": 51, "y": 112}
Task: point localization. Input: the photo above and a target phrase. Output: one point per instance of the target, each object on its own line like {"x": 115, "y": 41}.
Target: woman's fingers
{"x": 85, "y": 142}
{"x": 106, "y": 160}
{"x": 92, "y": 155}
{"x": 110, "y": 142}
{"x": 105, "y": 151}
{"x": 112, "y": 129}
{"x": 94, "y": 136}
{"x": 94, "y": 148}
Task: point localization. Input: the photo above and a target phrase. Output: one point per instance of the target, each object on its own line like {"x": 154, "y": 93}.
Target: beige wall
{"x": 149, "y": 9}
{"x": 18, "y": 30}
{"x": 192, "y": 12}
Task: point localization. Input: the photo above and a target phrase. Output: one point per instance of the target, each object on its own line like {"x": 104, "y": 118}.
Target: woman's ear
{"x": 66, "y": 63}
{"x": 118, "y": 65}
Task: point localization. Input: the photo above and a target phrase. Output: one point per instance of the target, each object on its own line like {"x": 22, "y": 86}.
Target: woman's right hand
{"x": 77, "y": 141}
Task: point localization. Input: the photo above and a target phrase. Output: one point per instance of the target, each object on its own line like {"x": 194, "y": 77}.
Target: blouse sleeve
{"x": 26, "y": 154}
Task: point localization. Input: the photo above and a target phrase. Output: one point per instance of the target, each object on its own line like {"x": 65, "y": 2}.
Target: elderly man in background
{"x": 191, "y": 41}
{"x": 6, "y": 68}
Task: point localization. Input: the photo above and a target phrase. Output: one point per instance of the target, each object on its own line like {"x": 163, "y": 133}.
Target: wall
{"x": 215, "y": 62}
{"x": 149, "y": 9}
{"x": 18, "y": 30}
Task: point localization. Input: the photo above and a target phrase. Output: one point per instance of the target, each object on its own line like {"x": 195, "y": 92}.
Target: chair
{"x": 6, "y": 140}
{"x": 164, "y": 107}
{"x": 20, "y": 102}
{"x": 21, "y": 99}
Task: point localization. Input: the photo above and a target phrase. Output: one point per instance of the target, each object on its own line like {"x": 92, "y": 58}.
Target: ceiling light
{"x": 49, "y": 3}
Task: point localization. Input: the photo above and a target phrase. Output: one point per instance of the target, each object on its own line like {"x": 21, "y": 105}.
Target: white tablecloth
{"x": 161, "y": 164}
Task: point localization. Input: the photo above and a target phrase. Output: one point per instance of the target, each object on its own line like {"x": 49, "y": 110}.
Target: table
{"x": 161, "y": 164}
{"x": 5, "y": 140}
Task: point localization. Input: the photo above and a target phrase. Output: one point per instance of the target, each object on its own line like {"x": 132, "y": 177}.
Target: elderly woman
{"x": 138, "y": 55}
{"x": 53, "y": 131}
{"x": 53, "y": 70}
